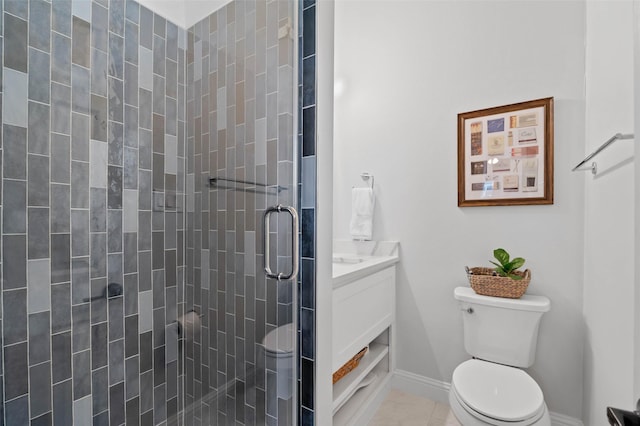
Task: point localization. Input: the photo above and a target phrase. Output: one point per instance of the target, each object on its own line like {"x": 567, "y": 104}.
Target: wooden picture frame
{"x": 505, "y": 155}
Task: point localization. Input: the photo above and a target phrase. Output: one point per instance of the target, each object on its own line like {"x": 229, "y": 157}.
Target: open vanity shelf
{"x": 351, "y": 393}
{"x": 348, "y": 386}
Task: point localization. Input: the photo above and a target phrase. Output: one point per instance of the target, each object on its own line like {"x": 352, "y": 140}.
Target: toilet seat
{"x": 497, "y": 394}
{"x": 469, "y": 417}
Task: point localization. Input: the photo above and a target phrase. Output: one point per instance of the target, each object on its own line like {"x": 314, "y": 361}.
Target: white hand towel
{"x": 362, "y": 203}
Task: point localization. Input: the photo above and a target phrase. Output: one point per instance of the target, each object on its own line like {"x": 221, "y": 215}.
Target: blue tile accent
{"x": 309, "y": 131}
{"x": 307, "y": 196}
{"x": 306, "y": 417}
{"x": 307, "y": 376}
{"x": 308, "y": 234}
{"x": 307, "y": 325}
{"x": 309, "y": 31}
{"x": 309, "y": 81}
{"x": 308, "y": 293}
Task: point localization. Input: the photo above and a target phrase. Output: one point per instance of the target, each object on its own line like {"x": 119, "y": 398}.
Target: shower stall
{"x": 149, "y": 195}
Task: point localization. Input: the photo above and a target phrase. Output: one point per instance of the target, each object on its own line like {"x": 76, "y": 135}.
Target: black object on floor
{"x": 618, "y": 417}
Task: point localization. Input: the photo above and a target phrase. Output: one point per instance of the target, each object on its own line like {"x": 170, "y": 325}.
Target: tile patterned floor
{"x": 403, "y": 409}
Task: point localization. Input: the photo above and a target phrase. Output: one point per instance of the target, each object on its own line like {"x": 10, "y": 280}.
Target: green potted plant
{"x": 505, "y": 280}
{"x": 507, "y": 267}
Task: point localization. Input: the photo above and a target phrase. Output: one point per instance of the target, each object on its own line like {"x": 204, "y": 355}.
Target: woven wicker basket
{"x": 349, "y": 365}
{"x": 485, "y": 281}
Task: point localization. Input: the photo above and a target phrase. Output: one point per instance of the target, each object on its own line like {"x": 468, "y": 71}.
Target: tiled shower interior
{"x": 113, "y": 120}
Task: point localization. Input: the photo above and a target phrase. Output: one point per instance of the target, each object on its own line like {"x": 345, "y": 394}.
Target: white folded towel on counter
{"x": 362, "y": 204}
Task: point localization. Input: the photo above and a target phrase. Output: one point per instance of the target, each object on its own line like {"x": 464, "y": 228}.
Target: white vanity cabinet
{"x": 363, "y": 316}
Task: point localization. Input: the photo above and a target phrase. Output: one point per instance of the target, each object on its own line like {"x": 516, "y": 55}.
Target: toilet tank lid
{"x": 526, "y": 303}
{"x": 281, "y": 340}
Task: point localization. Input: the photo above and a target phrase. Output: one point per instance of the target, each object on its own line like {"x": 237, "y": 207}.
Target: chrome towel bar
{"x": 594, "y": 166}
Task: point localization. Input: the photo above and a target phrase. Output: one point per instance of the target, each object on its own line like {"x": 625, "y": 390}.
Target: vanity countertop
{"x": 353, "y": 260}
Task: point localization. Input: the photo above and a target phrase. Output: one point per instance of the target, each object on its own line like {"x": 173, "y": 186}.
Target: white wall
{"x": 324, "y": 209}
{"x": 609, "y": 212}
{"x": 408, "y": 68}
{"x": 184, "y": 13}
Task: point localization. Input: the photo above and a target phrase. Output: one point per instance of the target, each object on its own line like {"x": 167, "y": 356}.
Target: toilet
{"x": 501, "y": 335}
{"x": 279, "y": 347}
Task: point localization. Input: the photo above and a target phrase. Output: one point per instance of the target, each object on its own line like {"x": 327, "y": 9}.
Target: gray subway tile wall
{"x": 77, "y": 189}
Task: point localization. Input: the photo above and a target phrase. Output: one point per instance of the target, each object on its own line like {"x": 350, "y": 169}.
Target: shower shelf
{"x": 248, "y": 186}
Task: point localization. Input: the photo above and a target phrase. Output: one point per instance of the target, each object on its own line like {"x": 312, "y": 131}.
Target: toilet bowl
{"x": 279, "y": 347}
{"x": 486, "y": 393}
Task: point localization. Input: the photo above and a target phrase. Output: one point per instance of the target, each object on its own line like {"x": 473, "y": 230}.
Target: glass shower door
{"x": 138, "y": 160}
{"x": 239, "y": 362}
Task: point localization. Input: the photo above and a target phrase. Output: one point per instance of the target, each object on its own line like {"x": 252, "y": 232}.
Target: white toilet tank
{"x": 501, "y": 330}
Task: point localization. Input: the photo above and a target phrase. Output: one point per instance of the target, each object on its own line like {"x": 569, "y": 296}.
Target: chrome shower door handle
{"x": 280, "y": 276}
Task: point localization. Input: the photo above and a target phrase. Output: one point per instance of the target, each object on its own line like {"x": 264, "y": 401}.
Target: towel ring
{"x": 367, "y": 177}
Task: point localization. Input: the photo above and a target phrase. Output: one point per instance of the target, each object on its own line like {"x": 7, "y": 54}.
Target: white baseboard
{"x": 437, "y": 390}
{"x": 562, "y": 420}
{"x": 426, "y": 387}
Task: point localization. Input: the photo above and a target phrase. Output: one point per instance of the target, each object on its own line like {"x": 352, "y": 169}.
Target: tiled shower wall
{"x": 93, "y": 147}
{"x": 240, "y": 110}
